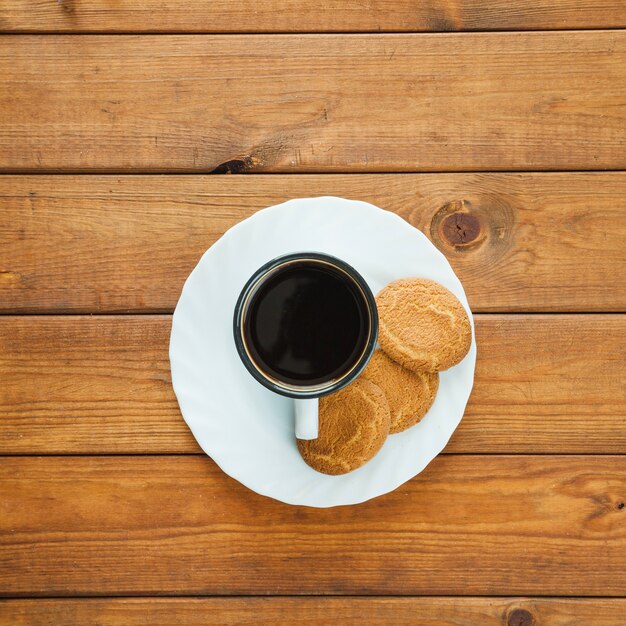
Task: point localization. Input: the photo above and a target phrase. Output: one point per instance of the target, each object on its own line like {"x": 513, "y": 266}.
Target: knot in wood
{"x": 234, "y": 166}
{"x": 457, "y": 225}
{"x": 520, "y": 617}
{"x": 460, "y": 229}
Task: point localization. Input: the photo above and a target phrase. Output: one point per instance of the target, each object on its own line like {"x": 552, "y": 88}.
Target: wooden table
{"x": 505, "y": 145}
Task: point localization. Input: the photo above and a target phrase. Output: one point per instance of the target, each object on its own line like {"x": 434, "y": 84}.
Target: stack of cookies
{"x": 423, "y": 329}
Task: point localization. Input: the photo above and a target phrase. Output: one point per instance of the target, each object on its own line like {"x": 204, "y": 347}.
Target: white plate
{"x": 248, "y": 430}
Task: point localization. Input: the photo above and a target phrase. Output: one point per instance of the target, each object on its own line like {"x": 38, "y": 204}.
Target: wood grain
{"x": 177, "y": 525}
{"x": 425, "y": 611}
{"x": 480, "y": 101}
{"x": 544, "y": 242}
{"x": 300, "y": 16}
{"x": 89, "y": 385}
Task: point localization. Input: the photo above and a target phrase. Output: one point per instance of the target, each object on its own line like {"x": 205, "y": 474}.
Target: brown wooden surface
{"x": 486, "y": 525}
{"x": 544, "y": 384}
{"x": 545, "y": 242}
{"x": 302, "y": 16}
{"x": 485, "y": 141}
{"x": 425, "y": 611}
{"x": 480, "y": 101}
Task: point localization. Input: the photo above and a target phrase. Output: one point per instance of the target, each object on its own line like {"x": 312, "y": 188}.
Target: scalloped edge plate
{"x": 248, "y": 430}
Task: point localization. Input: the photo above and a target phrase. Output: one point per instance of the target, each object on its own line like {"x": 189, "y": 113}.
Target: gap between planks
{"x": 169, "y": 312}
{"x": 303, "y": 596}
{"x": 317, "y": 33}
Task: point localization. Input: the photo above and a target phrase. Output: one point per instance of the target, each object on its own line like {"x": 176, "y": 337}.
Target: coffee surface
{"x": 306, "y": 324}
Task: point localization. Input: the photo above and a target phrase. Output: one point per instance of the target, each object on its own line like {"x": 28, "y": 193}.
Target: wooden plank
{"x": 528, "y": 101}
{"x": 468, "y": 525}
{"x": 311, "y": 611}
{"x": 300, "y": 16}
{"x": 544, "y": 384}
{"x": 543, "y": 242}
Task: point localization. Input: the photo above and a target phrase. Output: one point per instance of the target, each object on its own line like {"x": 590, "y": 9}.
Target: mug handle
{"x": 306, "y": 410}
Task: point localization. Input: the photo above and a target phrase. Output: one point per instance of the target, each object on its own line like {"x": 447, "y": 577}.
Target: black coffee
{"x": 306, "y": 324}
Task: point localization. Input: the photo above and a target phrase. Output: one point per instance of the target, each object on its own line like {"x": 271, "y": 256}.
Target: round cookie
{"x": 409, "y": 394}
{"x": 353, "y": 426}
{"x": 422, "y": 325}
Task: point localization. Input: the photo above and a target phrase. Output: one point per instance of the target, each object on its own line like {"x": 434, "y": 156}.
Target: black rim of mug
{"x": 305, "y": 392}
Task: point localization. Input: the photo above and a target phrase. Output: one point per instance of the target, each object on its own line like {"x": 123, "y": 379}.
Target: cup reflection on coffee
{"x": 305, "y": 325}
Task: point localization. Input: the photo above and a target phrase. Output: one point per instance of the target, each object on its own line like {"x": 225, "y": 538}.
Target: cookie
{"x": 409, "y": 394}
{"x": 353, "y": 426}
{"x": 422, "y": 325}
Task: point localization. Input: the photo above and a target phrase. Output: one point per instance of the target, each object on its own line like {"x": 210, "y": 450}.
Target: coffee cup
{"x": 305, "y": 325}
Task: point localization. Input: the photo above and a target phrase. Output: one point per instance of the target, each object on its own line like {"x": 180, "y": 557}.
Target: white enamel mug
{"x": 306, "y": 396}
